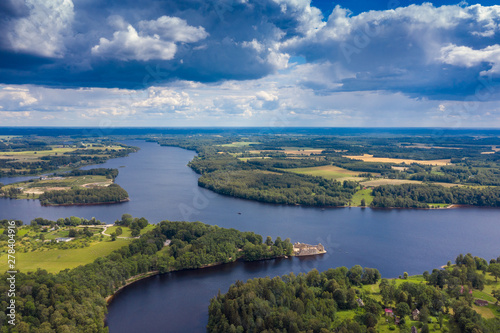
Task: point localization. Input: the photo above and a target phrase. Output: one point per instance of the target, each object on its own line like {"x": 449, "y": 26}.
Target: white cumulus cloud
{"x": 156, "y": 39}
{"x": 43, "y": 31}
{"x": 468, "y": 57}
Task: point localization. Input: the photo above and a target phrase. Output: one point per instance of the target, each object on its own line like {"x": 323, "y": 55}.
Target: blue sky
{"x": 249, "y": 63}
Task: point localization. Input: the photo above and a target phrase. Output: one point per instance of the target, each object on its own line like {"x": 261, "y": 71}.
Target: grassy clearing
{"x": 240, "y": 144}
{"x": 370, "y": 158}
{"x": 57, "y": 260}
{"x": 38, "y": 153}
{"x": 484, "y": 311}
{"x": 326, "y": 171}
{"x": 484, "y": 296}
{"x": 127, "y": 232}
{"x": 438, "y": 205}
{"x": 362, "y": 194}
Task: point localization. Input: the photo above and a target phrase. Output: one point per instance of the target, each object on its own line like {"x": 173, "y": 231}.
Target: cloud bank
{"x": 228, "y": 60}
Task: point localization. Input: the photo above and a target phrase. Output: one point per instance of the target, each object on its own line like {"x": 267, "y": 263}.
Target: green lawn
{"x": 56, "y": 260}
{"x": 438, "y": 205}
{"x": 126, "y": 232}
{"x": 362, "y": 194}
{"x": 483, "y": 295}
{"x": 23, "y": 231}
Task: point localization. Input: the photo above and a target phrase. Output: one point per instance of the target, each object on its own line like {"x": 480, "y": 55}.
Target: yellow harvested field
{"x": 40, "y": 152}
{"x": 370, "y": 158}
{"x": 487, "y": 152}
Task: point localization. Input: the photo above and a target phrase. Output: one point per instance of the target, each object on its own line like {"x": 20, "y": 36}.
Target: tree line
{"x": 294, "y": 303}
{"x": 421, "y": 195}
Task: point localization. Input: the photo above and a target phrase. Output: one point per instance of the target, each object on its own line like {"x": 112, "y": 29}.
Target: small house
{"x": 415, "y": 314}
{"x": 480, "y": 302}
{"x": 360, "y": 302}
{"x": 388, "y": 312}
{"x": 413, "y": 329}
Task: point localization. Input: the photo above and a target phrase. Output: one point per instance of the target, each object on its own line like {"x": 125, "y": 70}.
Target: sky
{"x": 268, "y": 63}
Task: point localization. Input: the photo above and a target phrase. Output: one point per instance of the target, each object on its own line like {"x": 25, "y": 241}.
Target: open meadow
{"x": 328, "y": 171}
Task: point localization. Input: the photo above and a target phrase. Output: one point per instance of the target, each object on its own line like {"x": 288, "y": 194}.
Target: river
{"x": 161, "y": 187}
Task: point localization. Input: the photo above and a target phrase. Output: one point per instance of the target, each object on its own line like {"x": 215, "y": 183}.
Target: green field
{"x": 326, "y": 171}
{"x": 126, "y": 232}
{"x": 362, "y": 194}
{"x": 56, "y": 260}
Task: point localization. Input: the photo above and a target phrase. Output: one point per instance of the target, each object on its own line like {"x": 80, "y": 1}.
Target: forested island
{"x": 113, "y": 193}
{"x": 77, "y": 187}
{"x": 355, "y": 300}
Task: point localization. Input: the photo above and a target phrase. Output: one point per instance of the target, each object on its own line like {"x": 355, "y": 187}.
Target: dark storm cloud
{"x": 115, "y": 43}
{"x": 421, "y": 50}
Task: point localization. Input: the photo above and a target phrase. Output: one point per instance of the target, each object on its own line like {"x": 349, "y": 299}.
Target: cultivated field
{"x": 370, "y": 158}
{"x": 327, "y": 171}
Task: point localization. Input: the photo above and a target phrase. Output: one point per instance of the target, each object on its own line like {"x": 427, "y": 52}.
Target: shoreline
{"x": 139, "y": 277}
{"x": 86, "y": 204}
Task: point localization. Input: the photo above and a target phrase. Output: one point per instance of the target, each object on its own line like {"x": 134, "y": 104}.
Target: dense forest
{"x": 229, "y": 176}
{"x": 74, "y": 300}
{"x": 315, "y": 302}
{"x": 418, "y": 196}
{"x": 85, "y": 196}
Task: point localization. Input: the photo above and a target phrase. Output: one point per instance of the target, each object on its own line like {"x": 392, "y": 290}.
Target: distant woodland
{"x": 355, "y": 300}
{"x": 263, "y": 168}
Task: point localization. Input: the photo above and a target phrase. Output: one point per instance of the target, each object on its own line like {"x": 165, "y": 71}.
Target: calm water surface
{"x": 161, "y": 187}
